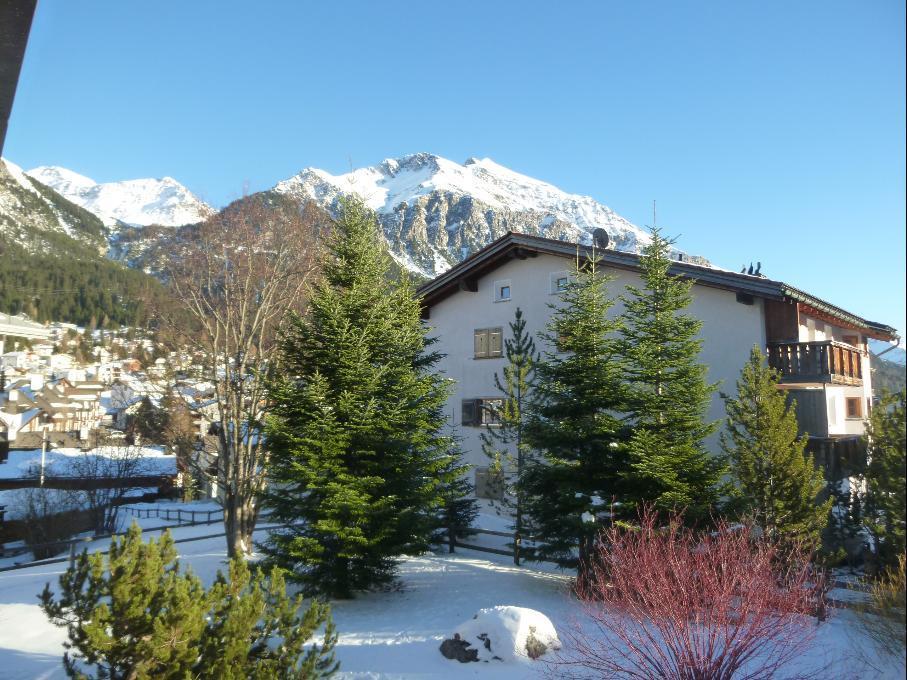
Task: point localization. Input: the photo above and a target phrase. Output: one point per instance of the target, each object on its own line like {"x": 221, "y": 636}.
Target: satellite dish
{"x": 600, "y": 238}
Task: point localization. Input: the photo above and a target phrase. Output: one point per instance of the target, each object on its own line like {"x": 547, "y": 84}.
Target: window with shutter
{"x": 495, "y": 344}
{"x": 478, "y": 412}
{"x": 469, "y": 411}
{"x": 491, "y": 411}
{"x": 488, "y": 343}
{"x": 481, "y": 343}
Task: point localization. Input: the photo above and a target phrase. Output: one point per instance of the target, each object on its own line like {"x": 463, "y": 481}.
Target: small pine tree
{"x": 886, "y": 486}
{"x": 669, "y": 396}
{"x": 777, "y": 482}
{"x": 132, "y": 614}
{"x": 505, "y": 442}
{"x": 359, "y": 462}
{"x": 459, "y": 507}
{"x": 575, "y": 423}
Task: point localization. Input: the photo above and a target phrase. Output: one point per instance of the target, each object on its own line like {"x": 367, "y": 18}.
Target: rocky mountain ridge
{"x": 434, "y": 212}
{"x": 35, "y": 218}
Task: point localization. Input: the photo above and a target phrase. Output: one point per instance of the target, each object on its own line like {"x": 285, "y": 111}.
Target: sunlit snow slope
{"x": 137, "y": 202}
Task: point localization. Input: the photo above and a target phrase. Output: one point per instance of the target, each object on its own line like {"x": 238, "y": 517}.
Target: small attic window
{"x": 558, "y": 282}
{"x": 502, "y": 291}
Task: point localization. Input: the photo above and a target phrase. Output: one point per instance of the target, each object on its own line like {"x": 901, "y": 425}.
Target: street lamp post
{"x": 44, "y": 441}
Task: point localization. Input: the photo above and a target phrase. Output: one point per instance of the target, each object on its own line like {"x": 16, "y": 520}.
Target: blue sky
{"x": 770, "y": 131}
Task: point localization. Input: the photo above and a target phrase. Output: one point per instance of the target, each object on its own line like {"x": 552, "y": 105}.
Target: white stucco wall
{"x": 730, "y": 329}
{"x": 836, "y": 402}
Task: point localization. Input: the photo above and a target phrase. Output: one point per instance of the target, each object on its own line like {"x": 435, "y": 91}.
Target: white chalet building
{"x": 820, "y": 349}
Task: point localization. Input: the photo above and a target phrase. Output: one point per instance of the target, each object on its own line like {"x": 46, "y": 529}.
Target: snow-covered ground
{"x": 72, "y": 462}
{"x": 393, "y": 634}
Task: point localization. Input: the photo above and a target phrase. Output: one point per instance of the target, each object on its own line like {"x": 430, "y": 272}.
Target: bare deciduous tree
{"x": 109, "y": 473}
{"x": 237, "y": 275}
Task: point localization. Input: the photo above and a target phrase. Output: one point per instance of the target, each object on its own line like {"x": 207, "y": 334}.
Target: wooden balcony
{"x": 827, "y": 361}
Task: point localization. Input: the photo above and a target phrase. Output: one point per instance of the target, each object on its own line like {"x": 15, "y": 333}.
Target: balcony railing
{"x": 827, "y": 361}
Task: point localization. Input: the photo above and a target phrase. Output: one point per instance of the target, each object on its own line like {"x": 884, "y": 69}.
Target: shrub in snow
{"x": 507, "y": 634}
{"x": 885, "y": 616}
{"x": 132, "y": 614}
{"x": 672, "y": 602}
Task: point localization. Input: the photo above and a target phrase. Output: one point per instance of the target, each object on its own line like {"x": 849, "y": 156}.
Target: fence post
{"x": 517, "y": 540}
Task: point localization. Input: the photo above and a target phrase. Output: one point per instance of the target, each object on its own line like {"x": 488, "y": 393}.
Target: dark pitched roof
{"x": 520, "y": 246}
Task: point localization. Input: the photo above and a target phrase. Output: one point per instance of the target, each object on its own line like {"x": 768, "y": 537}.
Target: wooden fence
{"x": 177, "y": 515}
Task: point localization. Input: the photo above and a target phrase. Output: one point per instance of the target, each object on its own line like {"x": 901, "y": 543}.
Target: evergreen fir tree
{"x": 845, "y": 517}
{"x": 777, "y": 482}
{"x": 459, "y": 507}
{"x": 669, "y": 395}
{"x": 886, "y": 478}
{"x": 133, "y": 614}
{"x": 575, "y": 422}
{"x": 359, "y": 463}
{"x": 505, "y": 442}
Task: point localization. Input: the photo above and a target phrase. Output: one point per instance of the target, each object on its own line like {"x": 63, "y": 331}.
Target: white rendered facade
{"x": 484, "y": 296}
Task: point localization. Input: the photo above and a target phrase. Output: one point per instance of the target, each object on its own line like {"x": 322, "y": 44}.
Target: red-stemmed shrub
{"x": 665, "y": 601}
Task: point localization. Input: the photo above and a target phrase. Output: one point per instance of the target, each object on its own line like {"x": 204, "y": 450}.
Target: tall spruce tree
{"x": 669, "y": 395}
{"x": 886, "y": 478}
{"x": 359, "y": 463}
{"x": 505, "y": 442}
{"x": 575, "y": 422}
{"x": 777, "y": 482}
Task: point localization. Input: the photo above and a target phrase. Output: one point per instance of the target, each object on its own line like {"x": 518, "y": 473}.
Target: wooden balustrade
{"x": 823, "y": 361}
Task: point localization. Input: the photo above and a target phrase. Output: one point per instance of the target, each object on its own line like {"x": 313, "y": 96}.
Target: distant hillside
{"x": 887, "y": 375}
{"x": 52, "y": 260}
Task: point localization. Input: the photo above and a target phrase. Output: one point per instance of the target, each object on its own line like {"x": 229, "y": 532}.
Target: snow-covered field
{"x": 393, "y": 634}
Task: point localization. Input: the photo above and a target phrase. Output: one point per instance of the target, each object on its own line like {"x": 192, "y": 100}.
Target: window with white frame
{"x": 502, "y": 290}
{"x": 558, "y": 282}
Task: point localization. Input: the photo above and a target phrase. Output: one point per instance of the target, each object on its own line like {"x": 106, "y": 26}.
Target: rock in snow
{"x": 503, "y": 633}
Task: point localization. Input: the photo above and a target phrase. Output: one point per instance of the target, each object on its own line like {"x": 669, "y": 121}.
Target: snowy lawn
{"x": 394, "y": 634}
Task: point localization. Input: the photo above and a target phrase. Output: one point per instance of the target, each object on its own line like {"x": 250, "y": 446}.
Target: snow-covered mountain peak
{"x": 137, "y": 202}
{"x": 61, "y": 180}
{"x": 411, "y": 190}
{"x": 18, "y": 175}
